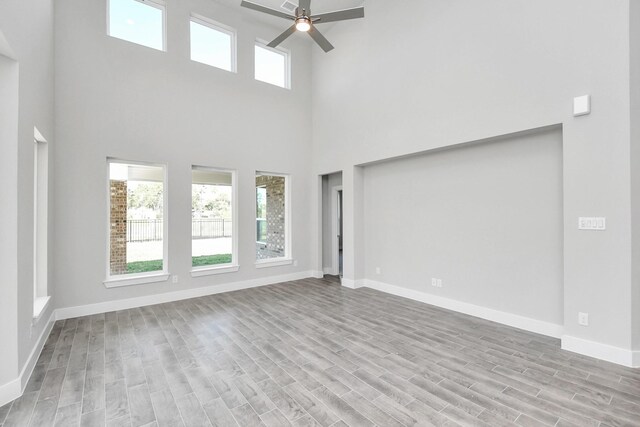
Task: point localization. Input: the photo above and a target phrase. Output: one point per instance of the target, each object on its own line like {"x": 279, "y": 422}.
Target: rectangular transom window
{"x": 213, "y": 229}
{"x": 137, "y": 219}
{"x": 138, "y": 21}
{"x": 272, "y": 65}
{"x": 213, "y": 44}
{"x": 272, "y": 217}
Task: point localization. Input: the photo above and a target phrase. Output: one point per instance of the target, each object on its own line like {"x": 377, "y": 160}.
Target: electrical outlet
{"x": 295, "y": 263}
{"x": 583, "y": 319}
{"x": 436, "y": 283}
{"x": 174, "y": 279}
{"x": 439, "y": 283}
{"x": 378, "y": 270}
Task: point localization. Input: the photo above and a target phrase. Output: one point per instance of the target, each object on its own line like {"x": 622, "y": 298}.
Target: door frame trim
{"x": 335, "y": 250}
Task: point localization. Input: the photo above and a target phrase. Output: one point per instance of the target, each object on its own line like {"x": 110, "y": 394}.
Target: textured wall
{"x": 120, "y": 100}
{"x": 473, "y": 70}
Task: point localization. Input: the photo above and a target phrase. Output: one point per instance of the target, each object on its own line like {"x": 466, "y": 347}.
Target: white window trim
{"x": 287, "y": 259}
{"x": 234, "y": 265}
{"x": 273, "y": 262}
{"x": 153, "y": 3}
{"x": 136, "y": 279}
{"x": 40, "y": 224}
{"x": 210, "y": 271}
{"x": 139, "y": 278}
{"x": 202, "y": 20}
{"x": 258, "y": 241}
{"x": 287, "y": 63}
{"x": 40, "y": 304}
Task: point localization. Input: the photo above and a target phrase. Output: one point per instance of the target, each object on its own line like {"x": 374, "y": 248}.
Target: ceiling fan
{"x": 304, "y": 21}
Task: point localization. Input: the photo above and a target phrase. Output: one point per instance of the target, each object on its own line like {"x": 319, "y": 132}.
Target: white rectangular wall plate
{"x": 592, "y": 223}
{"x": 583, "y": 319}
{"x": 582, "y": 105}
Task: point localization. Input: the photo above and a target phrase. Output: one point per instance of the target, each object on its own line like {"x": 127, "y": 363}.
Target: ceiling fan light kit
{"x": 304, "y": 21}
{"x": 303, "y": 24}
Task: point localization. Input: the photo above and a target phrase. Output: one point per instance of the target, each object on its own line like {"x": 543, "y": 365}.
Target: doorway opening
{"x": 332, "y": 228}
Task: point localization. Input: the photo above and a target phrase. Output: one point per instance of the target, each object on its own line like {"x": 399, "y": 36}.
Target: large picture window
{"x": 212, "y": 219}
{"x": 137, "y": 219}
{"x": 272, "y": 218}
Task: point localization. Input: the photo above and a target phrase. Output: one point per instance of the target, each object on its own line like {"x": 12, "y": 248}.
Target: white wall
{"x": 328, "y": 208}
{"x": 115, "y": 98}
{"x": 9, "y": 218}
{"x": 28, "y": 31}
{"x": 470, "y": 70}
{"x": 485, "y": 218}
{"x": 634, "y": 40}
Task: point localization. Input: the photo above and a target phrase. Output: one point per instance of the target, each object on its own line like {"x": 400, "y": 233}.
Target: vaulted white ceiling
{"x": 317, "y": 6}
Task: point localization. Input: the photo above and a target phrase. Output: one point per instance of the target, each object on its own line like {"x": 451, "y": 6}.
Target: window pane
{"x": 211, "y": 217}
{"x": 210, "y": 46}
{"x": 261, "y": 214}
{"x": 271, "y": 66}
{"x": 137, "y": 22}
{"x": 271, "y": 213}
{"x": 136, "y": 218}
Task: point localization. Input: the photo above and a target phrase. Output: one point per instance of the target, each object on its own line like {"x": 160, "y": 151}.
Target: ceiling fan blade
{"x": 263, "y": 9}
{"x": 306, "y": 5}
{"x": 282, "y": 37}
{"x": 340, "y": 15}
{"x": 320, "y": 39}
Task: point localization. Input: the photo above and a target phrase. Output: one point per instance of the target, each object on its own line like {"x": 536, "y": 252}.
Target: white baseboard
{"x": 598, "y": 350}
{"x": 327, "y": 270}
{"x": 123, "y": 304}
{"x": 352, "y": 284}
{"x": 510, "y": 319}
{"x": 10, "y": 391}
{"x": 28, "y": 367}
{"x": 317, "y": 274}
{"x": 14, "y": 389}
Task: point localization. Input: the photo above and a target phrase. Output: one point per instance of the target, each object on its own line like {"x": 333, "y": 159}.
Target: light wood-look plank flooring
{"x": 311, "y": 353}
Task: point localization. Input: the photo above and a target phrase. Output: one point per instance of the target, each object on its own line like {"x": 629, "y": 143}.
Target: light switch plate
{"x": 582, "y": 105}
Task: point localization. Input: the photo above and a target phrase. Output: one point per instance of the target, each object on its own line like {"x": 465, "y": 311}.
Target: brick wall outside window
{"x": 118, "y": 227}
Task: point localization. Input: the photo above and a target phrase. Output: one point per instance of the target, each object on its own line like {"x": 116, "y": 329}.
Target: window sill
{"x": 274, "y": 263}
{"x": 39, "y": 306}
{"x": 210, "y": 271}
{"x": 137, "y": 280}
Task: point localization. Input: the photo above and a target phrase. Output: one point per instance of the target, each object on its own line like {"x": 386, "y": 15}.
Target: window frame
{"x": 158, "y": 4}
{"x": 287, "y": 63}
{"x": 41, "y": 175}
{"x": 287, "y": 259}
{"x": 216, "y": 26}
{"x": 117, "y": 281}
{"x": 235, "y": 264}
{"x": 258, "y": 241}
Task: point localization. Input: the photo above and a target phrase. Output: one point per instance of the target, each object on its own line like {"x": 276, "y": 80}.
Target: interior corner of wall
{"x": 5, "y": 47}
